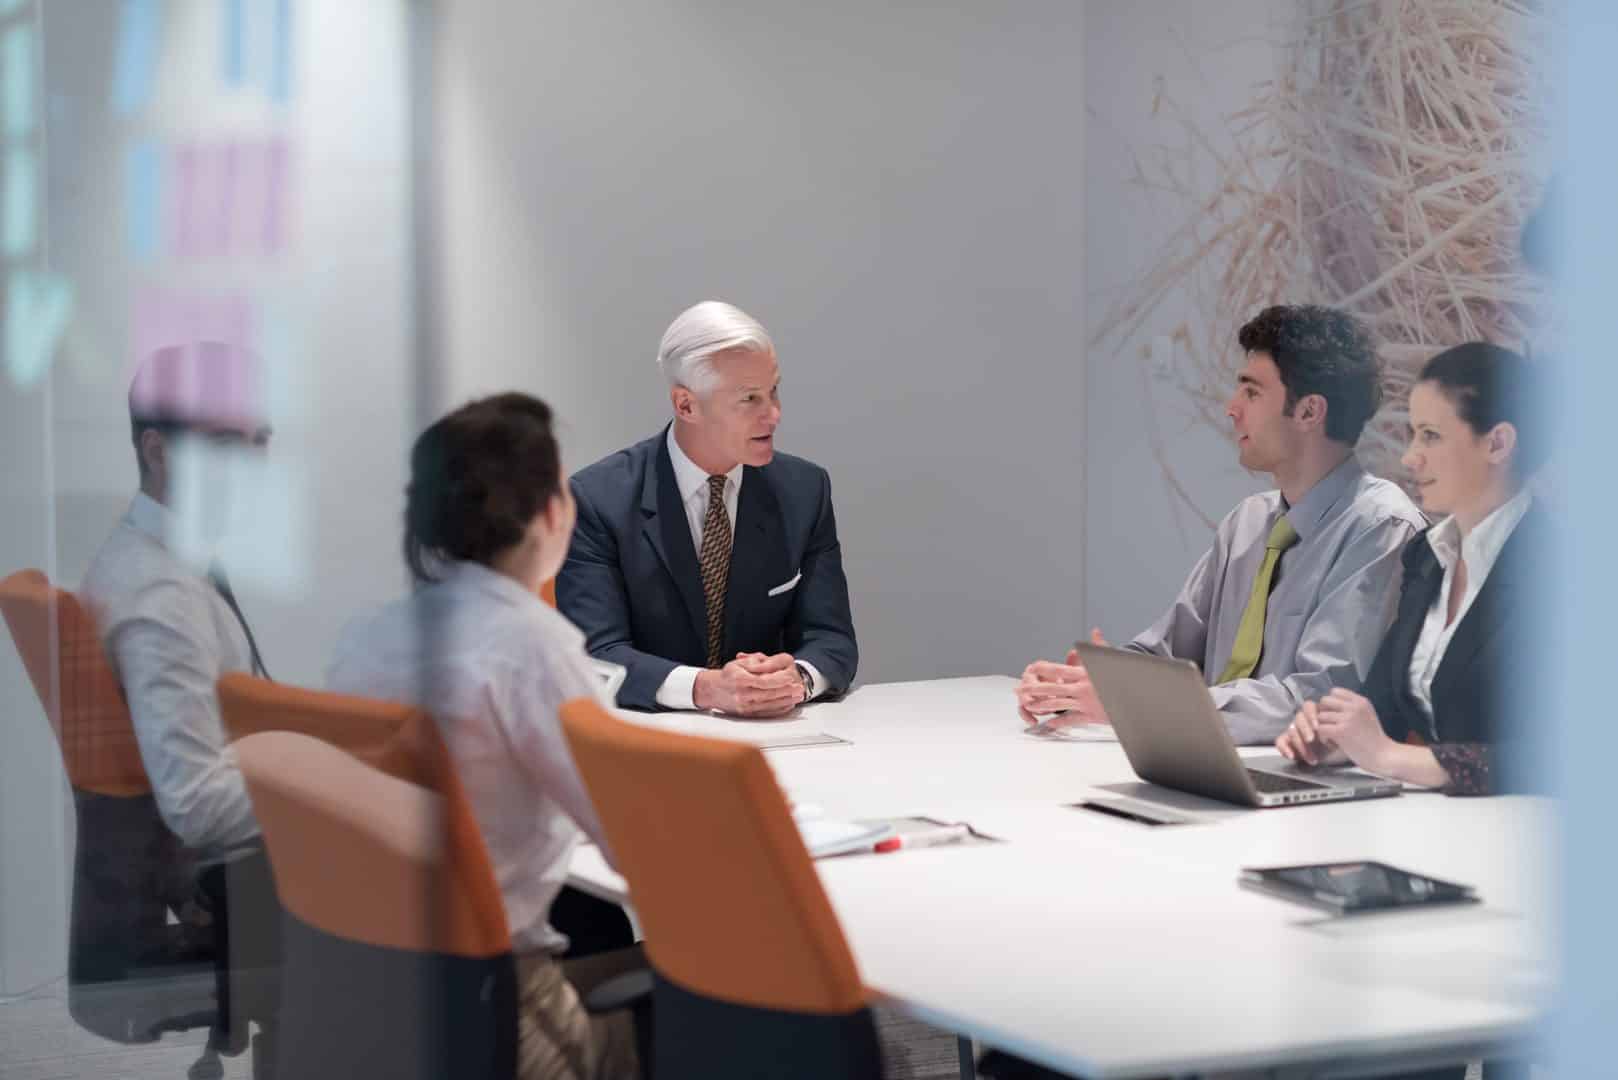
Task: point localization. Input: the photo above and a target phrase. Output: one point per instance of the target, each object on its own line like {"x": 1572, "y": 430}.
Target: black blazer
{"x": 1479, "y": 691}
{"x": 632, "y": 583}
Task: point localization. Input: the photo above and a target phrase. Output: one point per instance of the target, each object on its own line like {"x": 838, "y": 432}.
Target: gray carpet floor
{"x": 40, "y": 1041}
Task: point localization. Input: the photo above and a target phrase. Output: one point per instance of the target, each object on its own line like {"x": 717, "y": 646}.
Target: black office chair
{"x": 133, "y": 975}
{"x": 999, "y": 1065}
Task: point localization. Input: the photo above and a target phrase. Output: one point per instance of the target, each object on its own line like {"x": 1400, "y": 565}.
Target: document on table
{"x": 1072, "y": 732}
{"x": 825, "y": 836}
{"x": 766, "y": 735}
{"x": 828, "y": 836}
{"x": 788, "y": 742}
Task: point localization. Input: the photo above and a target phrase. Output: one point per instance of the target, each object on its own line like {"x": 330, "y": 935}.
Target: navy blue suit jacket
{"x": 632, "y": 583}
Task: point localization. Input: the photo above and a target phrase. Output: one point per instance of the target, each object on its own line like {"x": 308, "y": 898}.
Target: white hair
{"x": 700, "y": 332}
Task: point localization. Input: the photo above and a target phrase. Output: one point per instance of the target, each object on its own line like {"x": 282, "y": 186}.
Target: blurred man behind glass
{"x": 172, "y": 626}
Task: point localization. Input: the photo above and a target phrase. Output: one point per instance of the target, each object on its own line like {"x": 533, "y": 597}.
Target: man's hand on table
{"x": 1048, "y": 688}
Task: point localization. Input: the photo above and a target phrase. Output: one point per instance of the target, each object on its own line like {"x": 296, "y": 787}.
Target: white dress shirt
{"x": 679, "y": 687}
{"x": 1480, "y": 550}
{"x": 170, "y": 636}
{"x": 492, "y": 663}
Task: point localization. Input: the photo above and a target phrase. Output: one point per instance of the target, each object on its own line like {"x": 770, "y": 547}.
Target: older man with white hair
{"x": 705, "y": 562}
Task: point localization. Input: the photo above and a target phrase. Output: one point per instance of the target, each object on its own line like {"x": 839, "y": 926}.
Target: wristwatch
{"x": 808, "y": 683}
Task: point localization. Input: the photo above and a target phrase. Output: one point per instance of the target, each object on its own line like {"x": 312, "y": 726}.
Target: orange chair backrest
{"x": 547, "y": 592}
{"x": 398, "y": 741}
{"x": 730, "y": 902}
{"x": 357, "y": 853}
{"x": 76, "y": 683}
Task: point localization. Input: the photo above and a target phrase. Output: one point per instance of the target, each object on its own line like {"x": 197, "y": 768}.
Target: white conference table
{"x": 1106, "y": 948}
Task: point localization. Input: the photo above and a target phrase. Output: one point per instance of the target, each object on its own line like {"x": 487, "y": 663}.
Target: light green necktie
{"x": 1250, "y": 632}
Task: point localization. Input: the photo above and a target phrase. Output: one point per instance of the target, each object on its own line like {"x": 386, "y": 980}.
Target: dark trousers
{"x": 591, "y": 925}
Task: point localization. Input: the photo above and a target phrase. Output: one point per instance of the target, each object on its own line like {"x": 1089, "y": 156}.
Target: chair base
{"x": 141, "y": 1009}
{"x": 240, "y": 895}
{"x": 206, "y": 1067}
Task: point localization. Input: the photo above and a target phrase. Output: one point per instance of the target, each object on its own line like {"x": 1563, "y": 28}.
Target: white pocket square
{"x": 779, "y": 589}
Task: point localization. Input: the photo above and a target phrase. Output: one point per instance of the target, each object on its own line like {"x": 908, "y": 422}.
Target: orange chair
{"x": 753, "y": 974}
{"x": 91, "y": 720}
{"x": 131, "y": 974}
{"x": 547, "y": 592}
{"x": 395, "y": 739}
{"x": 393, "y": 966}
{"x": 404, "y": 742}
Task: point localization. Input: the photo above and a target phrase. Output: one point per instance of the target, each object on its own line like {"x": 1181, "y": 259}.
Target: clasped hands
{"x": 752, "y": 685}
{"x": 1061, "y": 693}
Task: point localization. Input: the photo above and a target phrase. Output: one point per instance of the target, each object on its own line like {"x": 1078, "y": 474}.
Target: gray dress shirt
{"x": 170, "y": 635}
{"x": 1334, "y": 593}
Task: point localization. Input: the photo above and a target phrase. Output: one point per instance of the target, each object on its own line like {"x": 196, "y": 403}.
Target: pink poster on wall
{"x": 228, "y": 198}
{"x": 209, "y": 365}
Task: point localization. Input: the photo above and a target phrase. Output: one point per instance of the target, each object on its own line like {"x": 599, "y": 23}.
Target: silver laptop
{"x": 1173, "y": 735}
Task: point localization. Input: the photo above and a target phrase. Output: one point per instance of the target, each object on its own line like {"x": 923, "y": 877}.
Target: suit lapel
{"x": 755, "y": 550}
{"x": 669, "y": 533}
{"x": 1420, "y": 592}
{"x": 1478, "y": 627}
{"x": 1496, "y": 602}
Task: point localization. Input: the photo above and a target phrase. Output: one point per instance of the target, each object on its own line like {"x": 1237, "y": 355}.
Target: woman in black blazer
{"x": 1439, "y": 705}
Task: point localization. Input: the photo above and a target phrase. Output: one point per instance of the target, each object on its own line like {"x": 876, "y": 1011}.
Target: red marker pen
{"x": 950, "y": 834}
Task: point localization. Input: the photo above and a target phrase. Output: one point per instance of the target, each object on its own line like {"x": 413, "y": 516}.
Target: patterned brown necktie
{"x": 715, "y": 560}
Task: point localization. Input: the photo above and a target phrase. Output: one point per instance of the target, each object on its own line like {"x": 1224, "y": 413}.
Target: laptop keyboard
{"x": 1269, "y": 783}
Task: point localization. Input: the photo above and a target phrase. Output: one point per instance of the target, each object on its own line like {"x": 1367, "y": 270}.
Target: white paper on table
{"x": 1072, "y": 732}
{"x": 828, "y": 836}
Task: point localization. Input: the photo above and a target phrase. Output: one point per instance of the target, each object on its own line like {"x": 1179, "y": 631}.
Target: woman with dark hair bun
{"x": 479, "y": 479}
{"x": 488, "y": 520}
{"x": 1439, "y": 702}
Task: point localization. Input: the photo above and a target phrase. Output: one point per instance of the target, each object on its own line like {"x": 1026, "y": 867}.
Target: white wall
{"x": 331, "y": 313}
{"x": 894, "y": 190}
{"x": 1158, "y": 77}
{"x": 33, "y": 820}
{"x": 334, "y": 328}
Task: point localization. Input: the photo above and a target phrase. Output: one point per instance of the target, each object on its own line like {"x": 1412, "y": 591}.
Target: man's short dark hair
{"x": 1319, "y": 350}
{"x": 139, "y": 424}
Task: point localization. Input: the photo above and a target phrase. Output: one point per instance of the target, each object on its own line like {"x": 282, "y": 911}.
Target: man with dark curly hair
{"x": 1294, "y": 595}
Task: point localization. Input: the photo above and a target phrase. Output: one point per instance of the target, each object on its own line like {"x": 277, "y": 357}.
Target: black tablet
{"x": 1355, "y": 886}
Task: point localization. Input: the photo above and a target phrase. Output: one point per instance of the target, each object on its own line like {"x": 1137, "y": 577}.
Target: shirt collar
{"x": 1482, "y": 547}
{"x": 687, "y": 476}
{"x": 467, "y": 574}
{"x": 150, "y": 517}
{"x": 1328, "y": 495}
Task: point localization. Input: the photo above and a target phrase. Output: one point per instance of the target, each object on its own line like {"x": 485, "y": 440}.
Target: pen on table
{"x": 931, "y": 838}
